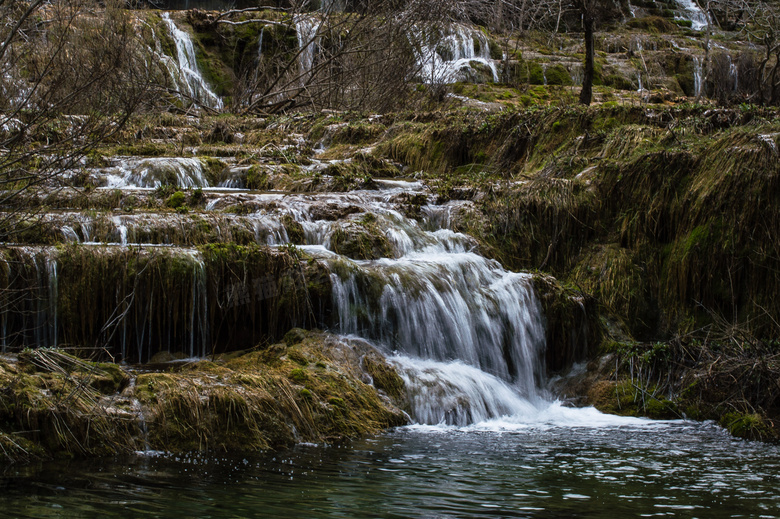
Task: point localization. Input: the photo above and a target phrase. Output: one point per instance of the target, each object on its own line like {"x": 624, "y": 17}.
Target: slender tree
{"x": 588, "y": 11}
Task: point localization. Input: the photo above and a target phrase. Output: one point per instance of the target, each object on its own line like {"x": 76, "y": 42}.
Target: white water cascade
{"x": 307, "y": 30}
{"x": 698, "y": 81}
{"x": 154, "y": 172}
{"x": 468, "y": 335}
{"x": 448, "y": 56}
{"x": 690, "y": 10}
{"x": 733, "y": 74}
{"x": 190, "y": 78}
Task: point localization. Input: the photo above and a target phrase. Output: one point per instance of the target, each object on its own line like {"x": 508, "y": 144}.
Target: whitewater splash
{"x": 446, "y": 395}
{"x": 450, "y": 56}
{"x": 155, "y": 172}
{"x": 690, "y": 10}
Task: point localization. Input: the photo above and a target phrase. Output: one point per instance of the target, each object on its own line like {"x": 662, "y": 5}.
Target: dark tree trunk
{"x": 588, "y": 22}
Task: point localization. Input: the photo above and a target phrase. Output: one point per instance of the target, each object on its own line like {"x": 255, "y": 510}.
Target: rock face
{"x": 313, "y": 387}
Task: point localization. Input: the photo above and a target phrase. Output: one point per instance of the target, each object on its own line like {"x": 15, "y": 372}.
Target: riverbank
{"x": 312, "y": 387}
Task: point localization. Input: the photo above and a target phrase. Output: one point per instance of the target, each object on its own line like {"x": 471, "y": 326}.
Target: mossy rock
{"x": 110, "y": 379}
{"x": 751, "y": 426}
{"x": 295, "y": 336}
{"x": 361, "y": 240}
{"x": 385, "y": 377}
{"x": 653, "y": 24}
{"x": 619, "y": 82}
{"x": 558, "y": 75}
{"x": 294, "y": 230}
{"x": 257, "y": 178}
{"x": 358, "y": 133}
{"x": 176, "y": 200}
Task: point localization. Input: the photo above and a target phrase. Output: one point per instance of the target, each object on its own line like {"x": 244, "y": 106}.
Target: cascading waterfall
{"x": 155, "y": 172}
{"x": 733, "y": 74}
{"x": 448, "y": 57}
{"x": 690, "y": 10}
{"x": 698, "y": 83}
{"x": 466, "y": 335}
{"x": 306, "y": 28}
{"x": 446, "y": 306}
{"x": 189, "y": 74}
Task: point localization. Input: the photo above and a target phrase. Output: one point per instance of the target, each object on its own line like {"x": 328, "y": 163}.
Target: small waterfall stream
{"x": 690, "y": 10}
{"x": 698, "y": 81}
{"x": 448, "y": 57}
{"x": 190, "y": 76}
{"x": 307, "y": 29}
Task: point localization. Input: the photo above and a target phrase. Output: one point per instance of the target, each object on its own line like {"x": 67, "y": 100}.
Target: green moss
{"x": 299, "y": 375}
{"x": 361, "y": 240}
{"x": 652, "y": 24}
{"x": 385, "y": 377}
{"x": 257, "y": 178}
{"x": 294, "y": 230}
{"x": 295, "y": 336}
{"x": 176, "y": 200}
{"x": 214, "y": 169}
{"x": 746, "y": 425}
{"x": 558, "y": 75}
{"x": 337, "y": 402}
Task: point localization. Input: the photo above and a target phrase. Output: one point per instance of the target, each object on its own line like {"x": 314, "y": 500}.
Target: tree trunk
{"x": 588, "y": 23}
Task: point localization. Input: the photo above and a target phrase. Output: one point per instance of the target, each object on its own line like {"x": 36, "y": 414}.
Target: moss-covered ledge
{"x": 312, "y": 387}
{"x": 733, "y": 382}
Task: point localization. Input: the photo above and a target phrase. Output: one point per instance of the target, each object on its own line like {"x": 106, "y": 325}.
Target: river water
{"x": 574, "y": 463}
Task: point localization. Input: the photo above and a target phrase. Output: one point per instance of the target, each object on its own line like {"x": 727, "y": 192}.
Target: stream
{"x": 575, "y": 463}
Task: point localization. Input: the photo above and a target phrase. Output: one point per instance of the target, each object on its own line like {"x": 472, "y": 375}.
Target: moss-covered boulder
{"x": 361, "y": 239}
{"x": 314, "y": 387}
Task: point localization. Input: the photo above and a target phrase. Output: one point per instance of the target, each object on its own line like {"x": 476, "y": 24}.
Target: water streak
{"x": 190, "y": 75}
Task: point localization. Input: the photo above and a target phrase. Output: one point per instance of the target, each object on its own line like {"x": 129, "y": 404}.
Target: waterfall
{"x": 466, "y": 335}
{"x": 125, "y": 300}
{"x": 690, "y": 10}
{"x": 733, "y": 74}
{"x": 448, "y": 57}
{"x": 156, "y": 172}
{"x": 260, "y": 45}
{"x": 121, "y": 229}
{"x": 189, "y": 75}
{"x": 198, "y": 322}
{"x": 458, "y": 394}
{"x": 51, "y": 270}
{"x": 697, "y": 77}
{"x": 306, "y": 29}
{"x": 461, "y": 326}
{"x": 447, "y": 306}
